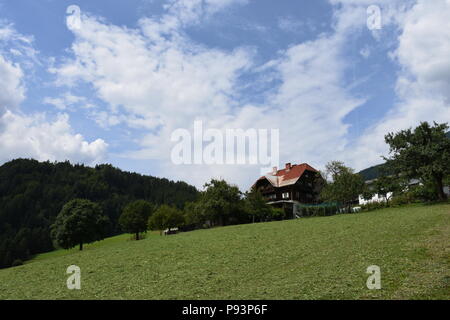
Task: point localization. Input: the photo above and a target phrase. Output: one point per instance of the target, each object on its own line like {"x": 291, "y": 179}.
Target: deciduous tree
{"x": 135, "y": 216}
{"x": 257, "y": 205}
{"x": 422, "y": 153}
{"x": 343, "y": 186}
{"x": 221, "y": 202}
{"x": 165, "y": 217}
{"x": 80, "y": 221}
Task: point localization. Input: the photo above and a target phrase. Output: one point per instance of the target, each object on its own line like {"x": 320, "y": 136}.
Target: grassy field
{"x": 313, "y": 258}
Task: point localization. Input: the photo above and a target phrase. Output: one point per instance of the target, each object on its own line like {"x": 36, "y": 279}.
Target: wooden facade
{"x": 293, "y": 184}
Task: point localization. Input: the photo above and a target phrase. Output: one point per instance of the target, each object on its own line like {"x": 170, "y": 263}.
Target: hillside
{"x": 312, "y": 258}
{"x": 32, "y": 193}
{"x": 372, "y": 172}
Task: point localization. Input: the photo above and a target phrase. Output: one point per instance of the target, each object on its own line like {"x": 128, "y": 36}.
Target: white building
{"x": 375, "y": 198}
{"x": 380, "y": 198}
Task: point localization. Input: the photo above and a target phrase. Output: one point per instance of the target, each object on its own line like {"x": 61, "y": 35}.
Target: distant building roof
{"x": 287, "y": 176}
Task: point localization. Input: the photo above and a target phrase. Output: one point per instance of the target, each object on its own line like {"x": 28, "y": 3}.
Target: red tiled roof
{"x": 286, "y": 177}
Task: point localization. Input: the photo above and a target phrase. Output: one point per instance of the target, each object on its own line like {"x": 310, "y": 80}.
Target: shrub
{"x": 277, "y": 214}
{"x": 401, "y": 199}
{"x": 375, "y": 205}
{"x": 17, "y": 263}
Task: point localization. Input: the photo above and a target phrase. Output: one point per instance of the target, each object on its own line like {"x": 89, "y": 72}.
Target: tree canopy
{"x": 165, "y": 217}
{"x": 422, "y": 153}
{"x": 80, "y": 221}
{"x": 343, "y": 185}
{"x": 135, "y": 216}
{"x": 221, "y": 202}
{"x": 257, "y": 206}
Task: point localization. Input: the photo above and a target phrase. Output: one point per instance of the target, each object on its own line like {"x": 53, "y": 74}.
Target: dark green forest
{"x": 372, "y": 172}
{"x": 32, "y": 193}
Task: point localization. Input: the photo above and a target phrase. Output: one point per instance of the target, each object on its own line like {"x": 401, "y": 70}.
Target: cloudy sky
{"x": 115, "y": 84}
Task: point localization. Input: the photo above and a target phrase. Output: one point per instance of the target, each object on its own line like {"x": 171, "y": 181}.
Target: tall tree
{"x": 165, "y": 217}
{"x": 80, "y": 221}
{"x": 422, "y": 153}
{"x": 221, "y": 201}
{"x": 135, "y": 216}
{"x": 343, "y": 185}
{"x": 257, "y": 206}
{"x": 388, "y": 185}
{"x": 193, "y": 215}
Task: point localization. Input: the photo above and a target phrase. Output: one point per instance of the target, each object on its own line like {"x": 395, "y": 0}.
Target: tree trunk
{"x": 137, "y": 235}
{"x": 440, "y": 186}
{"x": 81, "y": 246}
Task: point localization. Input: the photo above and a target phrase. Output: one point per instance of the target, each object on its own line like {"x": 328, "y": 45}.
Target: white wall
{"x": 375, "y": 198}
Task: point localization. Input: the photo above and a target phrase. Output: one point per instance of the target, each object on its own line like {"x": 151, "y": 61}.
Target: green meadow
{"x": 310, "y": 258}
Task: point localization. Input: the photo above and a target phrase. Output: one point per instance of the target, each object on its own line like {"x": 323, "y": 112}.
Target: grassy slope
{"x": 315, "y": 258}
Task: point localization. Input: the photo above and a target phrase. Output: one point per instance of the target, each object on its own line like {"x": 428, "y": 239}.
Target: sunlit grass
{"x": 312, "y": 258}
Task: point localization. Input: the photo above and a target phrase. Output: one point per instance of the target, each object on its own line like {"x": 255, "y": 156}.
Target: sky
{"x": 110, "y": 81}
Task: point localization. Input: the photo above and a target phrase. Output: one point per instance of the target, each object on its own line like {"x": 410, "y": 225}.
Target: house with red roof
{"x": 295, "y": 184}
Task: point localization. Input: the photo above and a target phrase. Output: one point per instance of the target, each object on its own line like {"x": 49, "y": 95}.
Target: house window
{"x": 285, "y": 195}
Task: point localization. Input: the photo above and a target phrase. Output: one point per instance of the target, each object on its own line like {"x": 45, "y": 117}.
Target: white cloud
{"x": 35, "y": 137}
{"x": 159, "y": 80}
{"x": 156, "y": 78}
{"x": 12, "y": 91}
{"x": 193, "y": 11}
{"x": 290, "y": 24}
{"x": 424, "y": 48}
{"x": 32, "y": 135}
{"x": 423, "y": 85}
{"x": 67, "y": 101}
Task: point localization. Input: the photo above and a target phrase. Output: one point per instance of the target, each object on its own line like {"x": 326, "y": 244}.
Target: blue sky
{"x": 116, "y": 88}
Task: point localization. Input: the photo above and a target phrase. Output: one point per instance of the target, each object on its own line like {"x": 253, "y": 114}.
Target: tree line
{"x": 82, "y": 221}
{"x": 43, "y": 204}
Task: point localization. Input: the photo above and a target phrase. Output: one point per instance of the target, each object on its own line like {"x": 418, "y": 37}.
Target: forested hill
{"x": 372, "y": 172}
{"x": 32, "y": 193}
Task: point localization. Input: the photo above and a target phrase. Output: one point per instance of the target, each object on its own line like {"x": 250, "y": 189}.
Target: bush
{"x": 277, "y": 214}
{"x": 425, "y": 192}
{"x": 17, "y": 263}
{"x": 401, "y": 199}
{"x": 375, "y": 205}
